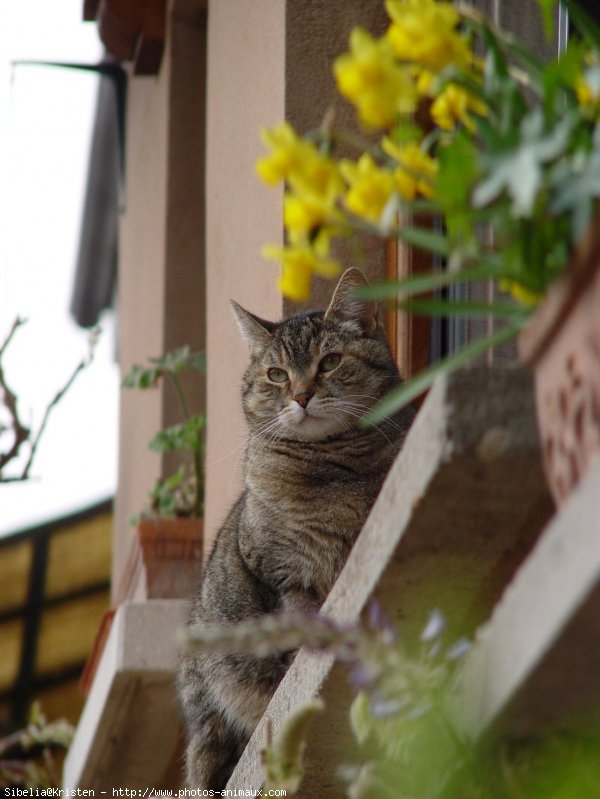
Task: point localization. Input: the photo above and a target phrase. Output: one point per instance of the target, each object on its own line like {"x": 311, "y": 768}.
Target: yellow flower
{"x": 304, "y": 210}
{"x": 288, "y": 152}
{"x": 370, "y": 187}
{"x": 520, "y": 292}
{"x": 587, "y": 88}
{"x": 425, "y": 82}
{"x": 424, "y": 32}
{"x": 417, "y": 170}
{"x": 453, "y": 106}
{"x": 298, "y": 264}
{"x": 370, "y": 77}
{"x": 295, "y": 160}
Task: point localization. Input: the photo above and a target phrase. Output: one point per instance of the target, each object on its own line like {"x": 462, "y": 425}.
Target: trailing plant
{"x": 283, "y": 757}
{"x": 398, "y": 716}
{"x": 30, "y": 758}
{"x": 15, "y": 436}
{"x": 495, "y": 151}
{"x": 181, "y": 493}
{"x": 401, "y": 720}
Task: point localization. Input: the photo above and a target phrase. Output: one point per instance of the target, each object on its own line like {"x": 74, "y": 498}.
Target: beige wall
{"x": 267, "y": 60}
{"x": 141, "y": 284}
{"x": 246, "y": 49}
{"x": 161, "y": 257}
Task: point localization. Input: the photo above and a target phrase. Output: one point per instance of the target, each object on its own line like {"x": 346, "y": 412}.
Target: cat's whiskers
{"x": 243, "y": 446}
{"x": 368, "y": 407}
{"x": 356, "y": 411}
{"x": 239, "y": 447}
{"x": 267, "y": 433}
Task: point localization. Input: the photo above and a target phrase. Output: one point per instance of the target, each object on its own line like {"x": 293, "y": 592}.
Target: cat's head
{"x": 315, "y": 375}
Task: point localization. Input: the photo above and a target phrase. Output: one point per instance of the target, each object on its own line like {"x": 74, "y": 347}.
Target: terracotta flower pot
{"x": 165, "y": 560}
{"x": 562, "y": 344}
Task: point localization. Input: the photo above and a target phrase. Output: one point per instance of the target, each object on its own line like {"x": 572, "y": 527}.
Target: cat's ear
{"x": 256, "y": 332}
{"x": 344, "y": 306}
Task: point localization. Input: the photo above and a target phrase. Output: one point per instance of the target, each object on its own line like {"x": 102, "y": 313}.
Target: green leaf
{"x": 429, "y": 240}
{"x": 421, "y": 284}
{"x": 407, "y": 392}
{"x": 547, "y": 8}
{"x": 141, "y": 377}
{"x": 519, "y": 170}
{"x": 361, "y": 719}
{"x": 455, "y": 181}
{"x": 170, "y": 363}
{"x": 183, "y": 437}
{"x": 462, "y": 308}
{"x": 178, "y": 359}
{"x": 583, "y": 22}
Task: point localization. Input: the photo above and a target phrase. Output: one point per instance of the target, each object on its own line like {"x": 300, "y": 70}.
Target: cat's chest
{"x": 321, "y": 489}
{"x": 307, "y": 497}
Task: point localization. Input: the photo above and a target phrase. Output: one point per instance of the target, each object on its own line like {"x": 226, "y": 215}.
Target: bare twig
{"x": 83, "y": 364}
{"x": 9, "y": 400}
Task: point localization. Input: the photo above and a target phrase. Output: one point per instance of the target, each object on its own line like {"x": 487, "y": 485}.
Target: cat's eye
{"x": 329, "y": 362}
{"x": 277, "y": 375}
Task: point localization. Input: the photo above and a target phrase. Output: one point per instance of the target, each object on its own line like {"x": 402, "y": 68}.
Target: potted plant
{"x": 499, "y": 148}
{"x": 166, "y": 555}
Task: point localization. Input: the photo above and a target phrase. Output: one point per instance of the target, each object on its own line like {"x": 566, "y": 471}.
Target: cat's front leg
{"x": 211, "y": 754}
{"x": 297, "y": 599}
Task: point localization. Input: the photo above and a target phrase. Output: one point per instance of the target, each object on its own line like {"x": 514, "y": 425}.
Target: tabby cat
{"x": 311, "y": 476}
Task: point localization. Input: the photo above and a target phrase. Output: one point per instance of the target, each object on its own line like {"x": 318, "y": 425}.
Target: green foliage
{"x": 487, "y": 156}
{"x": 168, "y": 365}
{"x": 185, "y": 437}
{"x": 181, "y": 493}
{"x": 407, "y": 745}
{"x": 283, "y": 758}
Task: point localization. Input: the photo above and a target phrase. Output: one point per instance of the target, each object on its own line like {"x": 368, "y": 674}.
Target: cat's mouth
{"x": 311, "y": 422}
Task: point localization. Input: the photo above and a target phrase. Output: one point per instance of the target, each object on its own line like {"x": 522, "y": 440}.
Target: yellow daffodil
{"x": 370, "y": 187}
{"x": 520, "y": 292}
{"x": 287, "y": 154}
{"x": 424, "y": 32}
{"x": 425, "y": 81}
{"x": 587, "y": 88}
{"x": 416, "y": 172}
{"x": 298, "y": 264}
{"x": 371, "y": 78}
{"x": 454, "y": 106}
{"x": 295, "y": 160}
{"x": 304, "y": 209}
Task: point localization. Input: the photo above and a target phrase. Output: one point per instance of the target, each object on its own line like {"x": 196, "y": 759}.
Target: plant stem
{"x": 199, "y": 488}
{"x": 180, "y": 395}
{"x": 198, "y": 465}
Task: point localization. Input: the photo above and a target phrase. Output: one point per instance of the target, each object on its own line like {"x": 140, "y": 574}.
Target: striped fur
{"x": 311, "y": 476}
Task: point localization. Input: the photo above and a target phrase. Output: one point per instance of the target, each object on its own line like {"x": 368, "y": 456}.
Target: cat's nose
{"x": 303, "y": 399}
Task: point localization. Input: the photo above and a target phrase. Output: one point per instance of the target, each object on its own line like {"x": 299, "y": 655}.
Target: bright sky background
{"x": 45, "y": 125}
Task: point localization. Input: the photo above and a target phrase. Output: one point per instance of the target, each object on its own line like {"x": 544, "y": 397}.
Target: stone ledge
{"x": 130, "y": 726}
{"x": 460, "y": 510}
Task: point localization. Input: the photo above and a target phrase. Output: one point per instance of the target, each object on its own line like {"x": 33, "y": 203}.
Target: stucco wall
{"x": 246, "y": 51}
{"x": 267, "y": 60}
{"x": 162, "y": 254}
